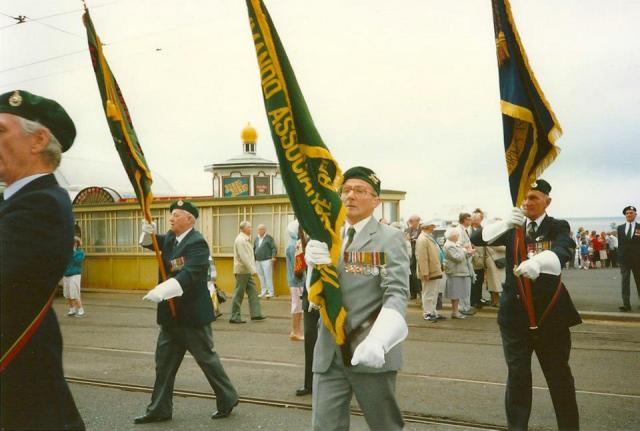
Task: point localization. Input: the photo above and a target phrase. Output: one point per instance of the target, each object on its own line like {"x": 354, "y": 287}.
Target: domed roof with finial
{"x": 249, "y": 134}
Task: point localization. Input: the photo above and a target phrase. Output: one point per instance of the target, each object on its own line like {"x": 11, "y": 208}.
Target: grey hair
{"x": 244, "y": 224}
{"x": 450, "y": 232}
{"x": 52, "y": 154}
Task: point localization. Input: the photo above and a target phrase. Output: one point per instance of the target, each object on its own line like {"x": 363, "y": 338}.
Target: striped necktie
{"x": 351, "y": 232}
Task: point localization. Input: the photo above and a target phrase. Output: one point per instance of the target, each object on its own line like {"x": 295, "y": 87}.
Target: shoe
{"x": 301, "y": 392}
{"x": 430, "y": 318}
{"x": 223, "y": 413}
{"x": 262, "y": 295}
{"x": 294, "y": 337}
{"x": 470, "y": 312}
{"x": 71, "y": 312}
{"x": 237, "y": 321}
{"x": 485, "y": 301}
{"x": 258, "y": 318}
{"x": 147, "y": 419}
{"x": 218, "y": 314}
{"x": 458, "y": 316}
{"x": 269, "y": 295}
{"x": 80, "y": 314}
{"x": 624, "y": 308}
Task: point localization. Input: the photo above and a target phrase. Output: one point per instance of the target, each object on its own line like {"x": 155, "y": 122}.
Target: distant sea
{"x": 599, "y": 224}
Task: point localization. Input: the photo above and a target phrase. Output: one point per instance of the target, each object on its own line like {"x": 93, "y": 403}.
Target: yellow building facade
{"x": 110, "y": 233}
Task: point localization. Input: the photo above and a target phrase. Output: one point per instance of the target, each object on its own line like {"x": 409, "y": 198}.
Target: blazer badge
{"x": 177, "y": 264}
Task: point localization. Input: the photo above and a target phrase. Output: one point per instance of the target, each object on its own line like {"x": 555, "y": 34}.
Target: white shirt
{"x": 260, "y": 239}
{"x": 358, "y": 227}
{"x": 538, "y": 222}
{"x": 183, "y": 234}
{"x": 16, "y": 186}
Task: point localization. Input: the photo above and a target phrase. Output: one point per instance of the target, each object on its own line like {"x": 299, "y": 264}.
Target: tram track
{"x": 405, "y": 374}
{"x": 409, "y": 417}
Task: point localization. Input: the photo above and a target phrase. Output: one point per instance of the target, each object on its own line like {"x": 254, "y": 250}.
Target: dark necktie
{"x": 175, "y": 243}
{"x": 351, "y": 232}
{"x": 629, "y": 231}
{"x": 531, "y": 231}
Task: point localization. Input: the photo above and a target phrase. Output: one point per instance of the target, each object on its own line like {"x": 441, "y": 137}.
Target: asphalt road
{"x": 453, "y": 369}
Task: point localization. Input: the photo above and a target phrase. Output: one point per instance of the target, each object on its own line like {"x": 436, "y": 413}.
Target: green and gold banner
{"x": 309, "y": 171}
{"x": 117, "y": 114}
{"x": 530, "y": 127}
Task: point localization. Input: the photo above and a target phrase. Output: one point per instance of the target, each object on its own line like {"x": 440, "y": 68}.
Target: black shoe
{"x": 148, "y": 418}
{"x": 258, "y": 318}
{"x": 237, "y": 321}
{"x": 624, "y": 308}
{"x": 219, "y": 414}
{"x": 300, "y": 392}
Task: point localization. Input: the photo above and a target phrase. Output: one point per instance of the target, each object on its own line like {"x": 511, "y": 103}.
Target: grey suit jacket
{"x": 363, "y": 294}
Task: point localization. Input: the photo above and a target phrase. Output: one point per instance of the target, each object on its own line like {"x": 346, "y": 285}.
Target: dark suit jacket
{"x": 36, "y": 242}
{"x": 629, "y": 250}
{"x": 267, "y": 249}
{"x": 188, "y": 263}
{"x": 512, "y": 313}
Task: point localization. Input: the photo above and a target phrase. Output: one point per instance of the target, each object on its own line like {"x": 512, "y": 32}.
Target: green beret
{"x": 541, "y": 186}
{"x": 364, "y": 174}
{"x": 45, "y": 111}
{"x": 186, "y": 206}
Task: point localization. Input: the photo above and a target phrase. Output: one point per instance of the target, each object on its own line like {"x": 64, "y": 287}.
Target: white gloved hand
{"x": 548, "y": 262}
{"x": 515, "y": 218}
{"x": 493, "y": 231}
{"x": 317, "y": 253}
{"x": 170, "y": 288}
{"x": 388, "y": 330}
{"x": 530, "y": 268}
{"x": 147, "y": 229}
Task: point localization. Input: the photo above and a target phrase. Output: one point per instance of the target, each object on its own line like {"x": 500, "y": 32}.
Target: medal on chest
{"x": 365, "y": 262}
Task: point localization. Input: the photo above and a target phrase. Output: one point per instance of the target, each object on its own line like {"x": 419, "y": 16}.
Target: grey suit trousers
{"x": 375, "y": 392}
{"x": 173, "y": 342}
{"x": 245, "y": 283}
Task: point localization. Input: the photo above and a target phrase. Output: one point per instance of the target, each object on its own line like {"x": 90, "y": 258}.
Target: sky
{"x": 408, "y": 88}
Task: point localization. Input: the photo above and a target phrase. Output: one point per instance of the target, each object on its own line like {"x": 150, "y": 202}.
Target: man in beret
{"x": 36, "y": 242}
{"x": 185, "y": 255}
{"x": 549, "y": 247}
{"x": 629, "y": 254}
{"x": 374, "y": 281}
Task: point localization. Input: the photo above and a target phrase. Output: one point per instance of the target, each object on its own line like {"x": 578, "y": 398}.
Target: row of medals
{"x": 365, "y": 269}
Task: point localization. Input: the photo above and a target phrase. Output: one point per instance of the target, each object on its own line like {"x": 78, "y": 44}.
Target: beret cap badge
{"x": 15, "y": 99}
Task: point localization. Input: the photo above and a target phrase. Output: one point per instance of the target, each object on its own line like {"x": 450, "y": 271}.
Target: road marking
{"x": 403, "y": 374}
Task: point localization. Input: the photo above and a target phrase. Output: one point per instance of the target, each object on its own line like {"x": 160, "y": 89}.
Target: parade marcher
{"x": 36, "y": 243}
{"x": 629, "y": 254}
{"x": 549, "y": 247}
{"x": 71, "y": 280}
{"x": 264, "y": 250}
{"x": 412, "y": 232}
{"x": 429, "y": 270}
{"x": 185, "y": 255}
{"x": 295, "y": 282}
{"x": 376, "y": 299}
{"x": 244, "y": 269}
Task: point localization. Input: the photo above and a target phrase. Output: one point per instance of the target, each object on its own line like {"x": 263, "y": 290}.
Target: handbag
{"x": 500, "y": 263}
{"x": 222, "y": 297}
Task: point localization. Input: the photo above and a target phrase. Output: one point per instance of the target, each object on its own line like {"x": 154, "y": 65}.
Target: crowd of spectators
{"x": 596, "y": 250}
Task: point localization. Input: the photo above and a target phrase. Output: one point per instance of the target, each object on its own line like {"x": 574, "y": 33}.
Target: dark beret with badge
{"x": 541, "y": 186}
{"x": 627, "y": 208}
{"x": 364, "y": 174}
{"x": 45, "y": 111}
{"x": 185, "y": 206}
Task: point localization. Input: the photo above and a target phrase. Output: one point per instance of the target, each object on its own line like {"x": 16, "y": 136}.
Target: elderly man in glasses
{"x": 374, "y": 281}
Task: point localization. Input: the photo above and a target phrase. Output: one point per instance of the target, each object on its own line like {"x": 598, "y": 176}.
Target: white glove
{"x": 388, "y": 330}
{"x": 317, "y": 253}
{"x": 147, "y": 229}
{"x": 170, "y": 288}
{"x": 546, "y": 262}
{"x": 493, "y": 231}
{"x": 530, "y": 268}
{"x": 515, "y": 218}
